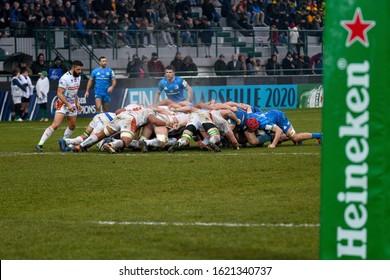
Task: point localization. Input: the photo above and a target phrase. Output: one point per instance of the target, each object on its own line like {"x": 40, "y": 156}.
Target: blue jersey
{"x": 102, "y": 78}
{"x": 175, "y": 89}
{"x": 267, "y": 120}
{"x": 243, "y": 116}
{"x": 256, "y": 109}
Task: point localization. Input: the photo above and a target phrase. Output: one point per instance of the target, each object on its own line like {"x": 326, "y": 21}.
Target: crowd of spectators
{"x": 23, "y": 16}
{"x": 130, "y": 23}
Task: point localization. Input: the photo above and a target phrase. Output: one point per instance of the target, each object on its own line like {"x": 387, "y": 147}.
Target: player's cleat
{"x": 39, "y": 148}
{"x": 319, "y": 139}
{"x": 204, "y": 147}
{"x": 298, "y": 143}
{"x": 78, "y": 148}
{"x": 109, "y": 149}
{"x": 214, "y": 147}
{"x": 174, "y": 147}
{"x": 62, "y": 144}
{"x": 143, "y": 146}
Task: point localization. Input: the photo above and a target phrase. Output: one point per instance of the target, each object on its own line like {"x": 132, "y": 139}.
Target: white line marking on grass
{"x": 137, "y": 154}
{"x": 199, "y": 224}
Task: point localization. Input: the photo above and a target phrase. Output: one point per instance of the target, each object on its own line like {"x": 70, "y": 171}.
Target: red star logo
{"x": 357, "y": 29}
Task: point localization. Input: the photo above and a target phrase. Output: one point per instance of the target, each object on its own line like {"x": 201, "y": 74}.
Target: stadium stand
{"x": 225, "y": 40}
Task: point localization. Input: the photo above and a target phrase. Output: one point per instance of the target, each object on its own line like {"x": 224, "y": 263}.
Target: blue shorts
{"x": 104, "y": 97}
{"x": 284, "y": 123}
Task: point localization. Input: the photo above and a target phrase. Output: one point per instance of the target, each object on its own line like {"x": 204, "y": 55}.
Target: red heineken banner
{"x": 355, "y": 191}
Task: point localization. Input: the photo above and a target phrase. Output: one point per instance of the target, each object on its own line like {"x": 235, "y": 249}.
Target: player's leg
{"x": 297, "y": 137}
{"x": 105, "y": 106}
{"x": 214, "y": 134}
{"x": 98, "y": 103}
{"x": 161, "y": 138}
{"x": 106, "y": 102}
{"x": 71, "y": 126}
{"x": 58, "y": 118}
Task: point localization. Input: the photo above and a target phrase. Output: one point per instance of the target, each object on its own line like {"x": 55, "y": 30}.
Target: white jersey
{"x": 219, "y": 121}
{"x": 180, "y": 118}
{"x": 141, "y": 115}
{"x": 71, "y": 85}
{"x": 100, "y": 120}
{"x": 134, "y": 107}
{"x": 29, "y": 86}
{"x": 130, "y": 121}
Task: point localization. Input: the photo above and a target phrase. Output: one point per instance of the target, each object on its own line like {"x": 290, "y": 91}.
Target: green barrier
{"x": 355, "y": 195}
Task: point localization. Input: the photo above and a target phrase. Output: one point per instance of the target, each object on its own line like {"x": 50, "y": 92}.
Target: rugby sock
{"x": 89, "y": 141}
{"x": 206, "y": 141}
{"x": 134, "y": 144}
{"x": 153, "y": 142}
{"x": 74, "y": 141}
{"x": 171, "y": 141}
{"x": 182, "y": 141}
{"x": 317, "y": 135}
{"x": 215, "y": 139}
{"x": 17, "y": 111}
{"x": 48, "y": 132}
{"x": 117, "y": 144}
{"x": 68, "y": 132}
{"x": 25, "y": 116}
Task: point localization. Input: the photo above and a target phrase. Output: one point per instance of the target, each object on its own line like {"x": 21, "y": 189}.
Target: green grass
{"x": 52, "y": 202}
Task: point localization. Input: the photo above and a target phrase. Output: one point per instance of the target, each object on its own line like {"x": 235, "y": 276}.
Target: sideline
{"x": 162, "y": 153}
{"x": 201, "y": 224}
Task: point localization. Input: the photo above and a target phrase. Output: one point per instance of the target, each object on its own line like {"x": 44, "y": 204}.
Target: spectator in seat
{"x": 58, "y": 64}
{"x": 177, "y": 62}
{"x": 39, "y": 65}
{"x": 220, "y": 66}
{"x": 234, "y": 66}
{"x": 134, "y": 67}
{"x": 155, "y": 66}
{"x": 288, "y": 65}
{"x": 208, "y": 10}
{"x": 189, "y": 68}
{"x": 273, "y": 66}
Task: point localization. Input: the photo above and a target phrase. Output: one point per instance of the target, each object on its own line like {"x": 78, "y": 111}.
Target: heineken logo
{"x": 357, "y": 29}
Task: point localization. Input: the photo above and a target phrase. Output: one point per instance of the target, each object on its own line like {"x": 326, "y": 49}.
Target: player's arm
{"x": 113, "y": 84}
{"x": 278, "y": 133}
{"x": 89, "y": 85}
{"x": 229, "y": 114}
{"x": 189, "y": 93}
{"x": 232, "y": 139}
{"x": 62, "y": 98}
{"x": 242, "y": 106}
{"x": 155, "y": 121}
{"x": 120, "y": 110}
{"x": 78, "y": 106}
{"x": 157, "y": 96}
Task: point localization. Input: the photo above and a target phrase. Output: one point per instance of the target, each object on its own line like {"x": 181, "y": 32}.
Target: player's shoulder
{"x": 67, "y": 75}
{"x": 178, "y": 79}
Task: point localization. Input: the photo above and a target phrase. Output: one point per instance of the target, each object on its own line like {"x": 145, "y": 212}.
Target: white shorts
{"x": 200, "y": 117}
{"x": 17, "y": 99}
{"x": 63, "y": 109}
{"x": 100, "y": 121}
